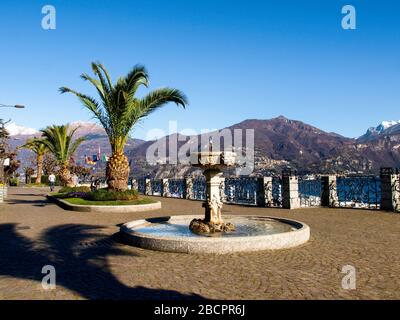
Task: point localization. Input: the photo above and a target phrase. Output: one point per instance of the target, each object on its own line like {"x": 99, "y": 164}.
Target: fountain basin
{"x": 253, "y": 233}
{"x": 213, "y": 160}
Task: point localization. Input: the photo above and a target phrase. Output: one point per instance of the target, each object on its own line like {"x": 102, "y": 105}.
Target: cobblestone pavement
{"x": 92, "y": 264}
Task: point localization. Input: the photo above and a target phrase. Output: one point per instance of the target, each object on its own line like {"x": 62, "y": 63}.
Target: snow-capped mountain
{"x": 17, "y": 130}
{"x": 385, "y": 127}
{"x": 87, "y": 128}
{"x": 84, "y": 128}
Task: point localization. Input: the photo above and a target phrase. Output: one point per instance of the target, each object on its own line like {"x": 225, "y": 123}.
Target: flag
{"x": 89, "y": 160}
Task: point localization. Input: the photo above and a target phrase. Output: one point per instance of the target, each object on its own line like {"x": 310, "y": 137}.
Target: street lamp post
{"x": 17, "y": 106}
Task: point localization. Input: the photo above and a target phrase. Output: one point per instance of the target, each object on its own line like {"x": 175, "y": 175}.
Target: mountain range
{"x": 385, "y": 128}
{"x": 279, "y": 143}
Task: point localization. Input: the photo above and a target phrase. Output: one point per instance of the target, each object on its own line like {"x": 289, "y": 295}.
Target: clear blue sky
{"x": 234, "y": 59}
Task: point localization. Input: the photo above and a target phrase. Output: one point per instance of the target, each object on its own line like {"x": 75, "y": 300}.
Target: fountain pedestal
{"x": 212, "y": 163}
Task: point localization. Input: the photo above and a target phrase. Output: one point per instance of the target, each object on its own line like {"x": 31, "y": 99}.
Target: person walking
{"x": 52, "y": 181}
{"x": 75, "y": 180}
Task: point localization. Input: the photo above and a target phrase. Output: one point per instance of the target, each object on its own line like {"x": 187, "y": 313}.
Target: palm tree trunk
{"x": 39, "y": 169}
{"x": 117, "y": 172}
{"x": 65, "y": 176}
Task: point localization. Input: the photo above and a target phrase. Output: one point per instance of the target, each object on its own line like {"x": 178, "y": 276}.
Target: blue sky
{"x": 235, "y": 60}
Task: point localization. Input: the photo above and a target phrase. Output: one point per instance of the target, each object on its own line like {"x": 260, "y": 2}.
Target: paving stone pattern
{"x": 92, "y": 263}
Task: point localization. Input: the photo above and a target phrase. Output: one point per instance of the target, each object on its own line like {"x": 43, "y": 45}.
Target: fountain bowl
{"x": 253, "y": 233}
{"x": 213, "y": 160}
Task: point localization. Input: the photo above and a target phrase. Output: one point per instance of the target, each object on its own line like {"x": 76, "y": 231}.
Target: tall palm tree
{"x": 119, "y": 110}
{"x": 38, "y": 146}
{"x": 59, "y": 141}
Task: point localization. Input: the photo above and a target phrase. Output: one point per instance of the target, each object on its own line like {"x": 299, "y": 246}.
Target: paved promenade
{"x": 91, "y": 263}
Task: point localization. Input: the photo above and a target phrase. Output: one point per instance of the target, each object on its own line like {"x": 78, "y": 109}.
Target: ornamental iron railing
{"x": 177, "y": 188}
{"x": 277, "y": 192}
{"x": 142, "y": 185}
{"x": 199, "y": 189}
{"x": 156, "y": 187}
{"x": 351, "y": 191}
{"x": 310, "y": 191}
{"x": 359, "y": 191}
{"x": 241, "y": 190}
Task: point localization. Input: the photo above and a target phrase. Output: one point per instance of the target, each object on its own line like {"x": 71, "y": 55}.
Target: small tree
{"x": 40, "y": 149}
{"x": 80, "y": 171}
{"x": 59, "y": 141}
{"x": 4, "y": 135}
{"x": 28, "y": 174}
{"x": 10, "y": 171}
{"x": 49, "y": 164}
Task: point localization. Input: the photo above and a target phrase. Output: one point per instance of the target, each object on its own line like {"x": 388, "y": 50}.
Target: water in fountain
{"x": 245, "y": 227}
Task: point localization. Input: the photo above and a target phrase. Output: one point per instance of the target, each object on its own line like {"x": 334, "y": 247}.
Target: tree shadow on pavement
{"x": 79, "y": 255}
{"x": 29, "y": 194}
{"x": 35, "y": 203}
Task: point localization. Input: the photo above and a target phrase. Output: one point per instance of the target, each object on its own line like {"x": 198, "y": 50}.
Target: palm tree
{"x": 119, "y": 110}
{"x": 28, "y": 173}
{"x": 59, "y": 141}
{"x": 40, "y": 149}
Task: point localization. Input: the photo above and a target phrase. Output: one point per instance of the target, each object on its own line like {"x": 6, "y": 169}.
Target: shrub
{"x": 65, "y": 190}
{"x": 106, "y": 195}
{"x": 82, "y": 189}
{"x": 77, "y": 194}
{"x": 14, "y": 182}
{"x": 98, "y": 195}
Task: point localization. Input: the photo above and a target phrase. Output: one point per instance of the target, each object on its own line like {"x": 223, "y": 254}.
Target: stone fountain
{"x": 189, "y": 234}
{"x": 212, "y": 163}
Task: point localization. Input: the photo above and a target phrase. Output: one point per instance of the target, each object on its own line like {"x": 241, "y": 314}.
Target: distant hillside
{"x": 279, "y": 142}
{"x": 95, "y": 138}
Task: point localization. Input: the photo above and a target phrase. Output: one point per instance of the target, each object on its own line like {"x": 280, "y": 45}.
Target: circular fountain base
{"x": 253, "y": 233}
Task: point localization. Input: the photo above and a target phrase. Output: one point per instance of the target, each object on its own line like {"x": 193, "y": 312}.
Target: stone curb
{"x": 105, "y": 209}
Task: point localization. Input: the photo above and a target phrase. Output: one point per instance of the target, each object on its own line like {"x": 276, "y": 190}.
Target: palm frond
{"x": 103, "y": 76}
{"x": 135, "y": 78}
{"x": 76, "y": 144}
{"x": 106, "y": 74}
{"x": 158, "y": 98}
{"x": 36, "y": 145}
{"x": 59, "y": 141}
{"x": 120, "y": 109}
{"x": 91, "y": 104}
